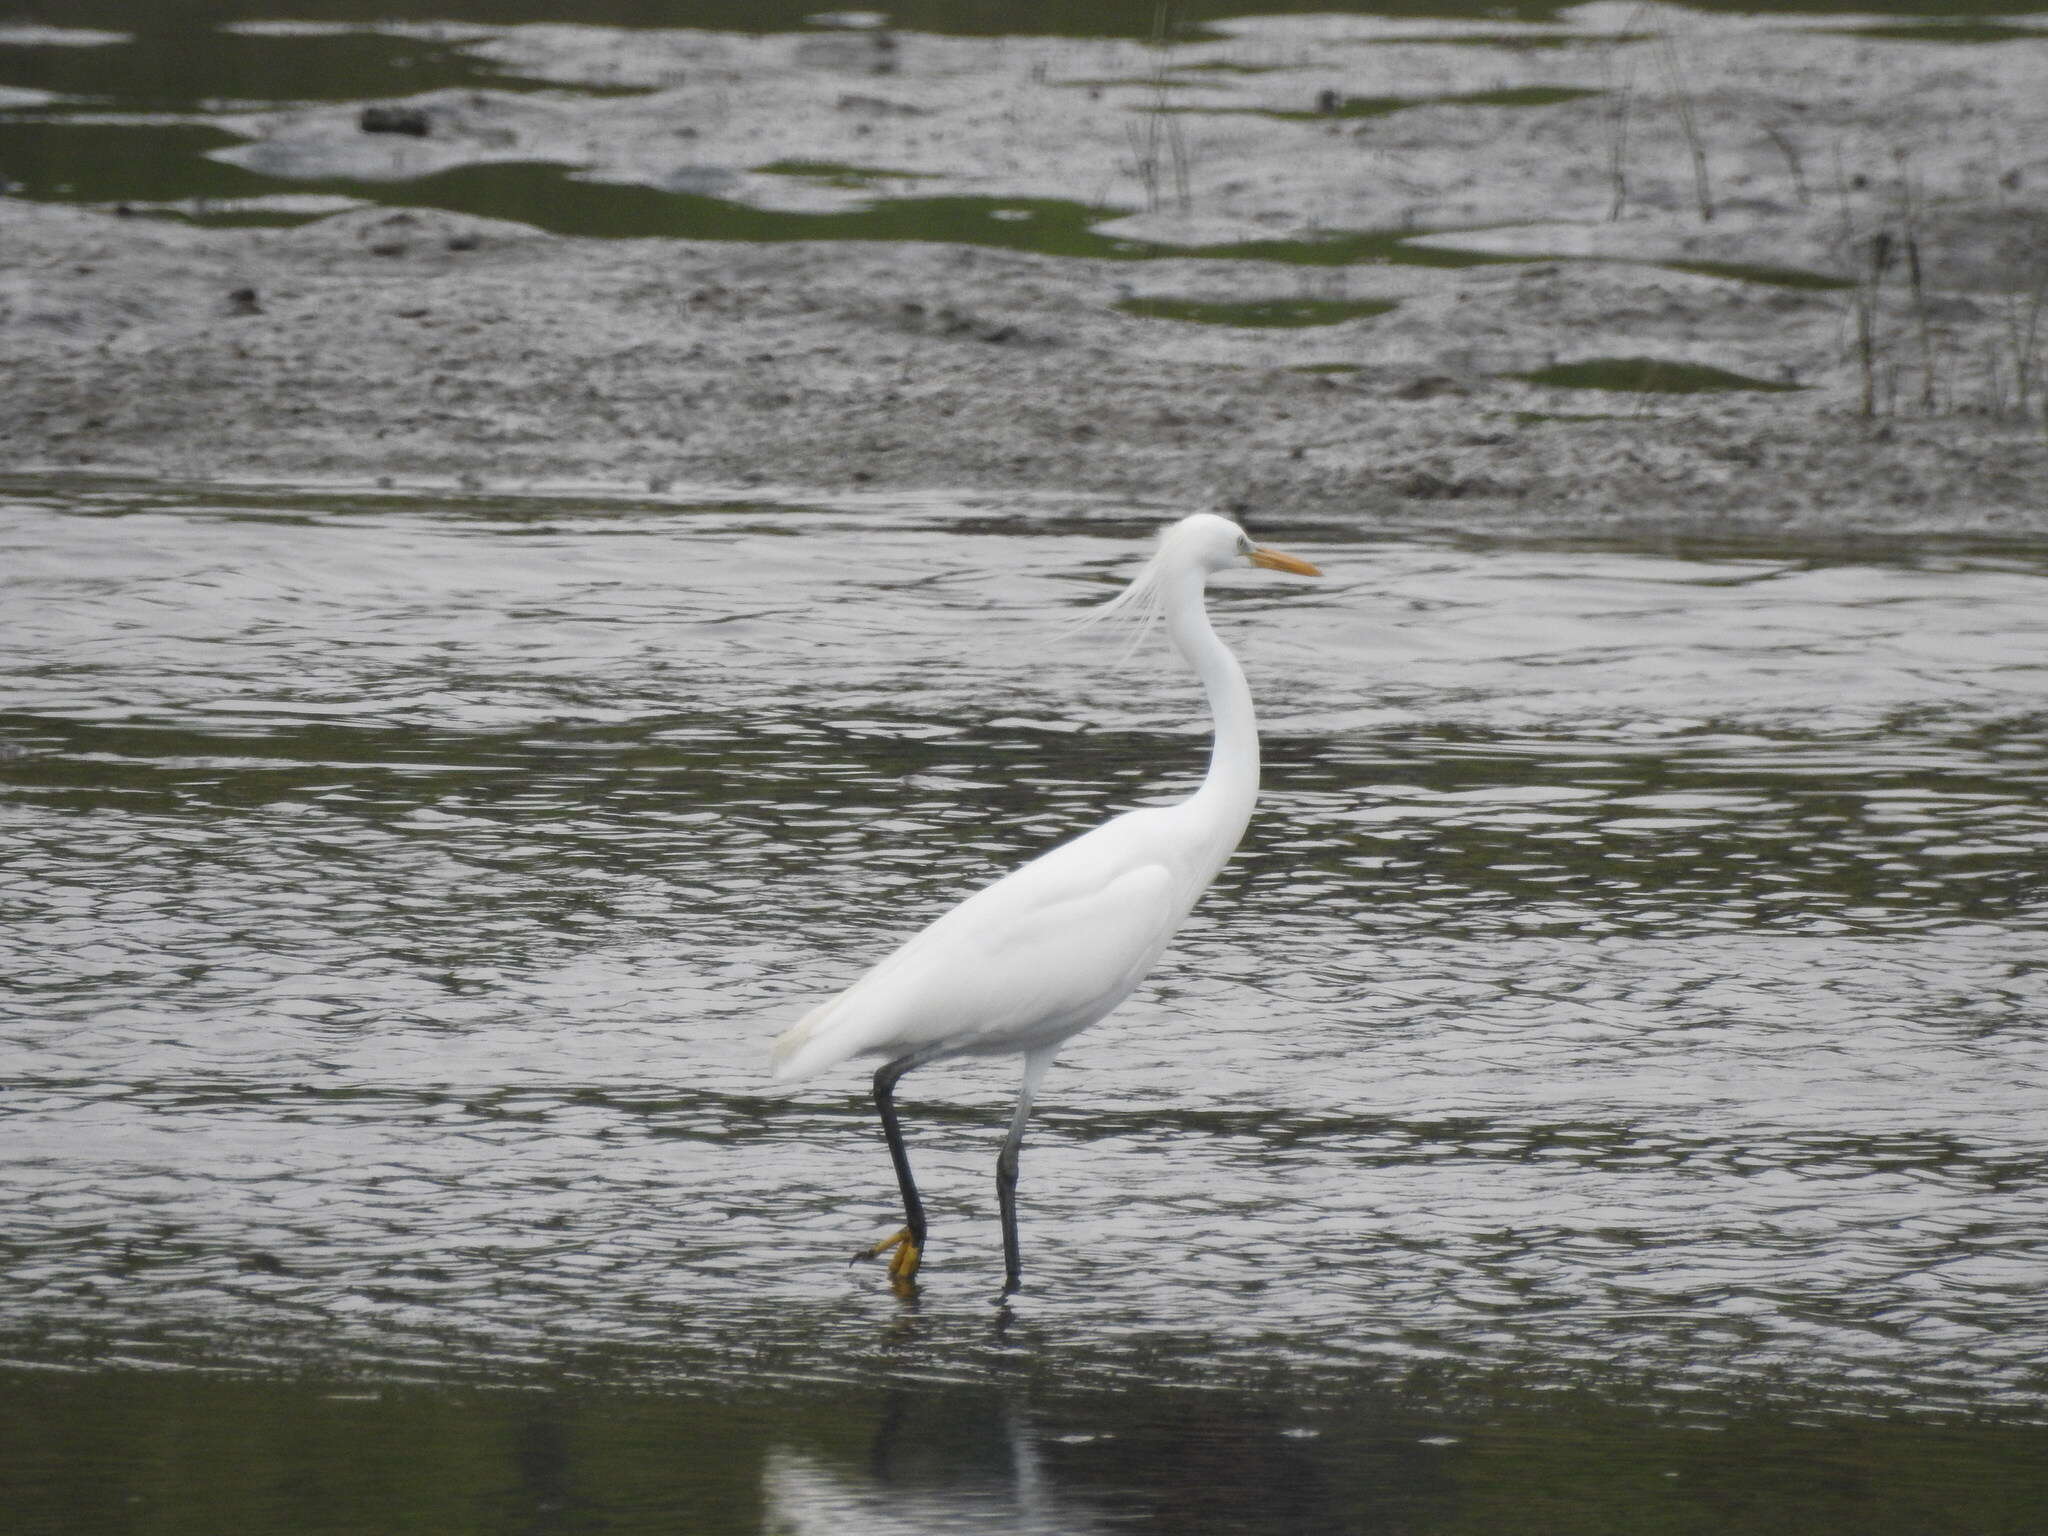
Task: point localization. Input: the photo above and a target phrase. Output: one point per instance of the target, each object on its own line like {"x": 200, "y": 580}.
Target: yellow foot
{"x": 903, "y": 1267}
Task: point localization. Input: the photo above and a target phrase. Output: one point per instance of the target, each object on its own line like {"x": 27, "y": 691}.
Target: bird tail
{"x": 805, "y": 1048}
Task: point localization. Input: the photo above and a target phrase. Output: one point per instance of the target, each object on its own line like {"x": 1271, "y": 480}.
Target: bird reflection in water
{"x": 926, "y": 1472}
{"x": 961, "y": 1459}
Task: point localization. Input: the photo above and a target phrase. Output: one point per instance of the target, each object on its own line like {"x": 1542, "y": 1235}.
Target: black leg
{"x": 1035, "y": 1066}
{"x": 892, "y": 1129}
{"x": 908, "y": 1245}
{"x": 1006, "y": 1197}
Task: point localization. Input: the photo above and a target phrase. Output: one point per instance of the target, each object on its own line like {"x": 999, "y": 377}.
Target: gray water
{"x": 1624, "y": 1018}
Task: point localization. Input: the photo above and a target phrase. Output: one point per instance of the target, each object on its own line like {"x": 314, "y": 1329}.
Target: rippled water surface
{"x": 1626, "y": 1012}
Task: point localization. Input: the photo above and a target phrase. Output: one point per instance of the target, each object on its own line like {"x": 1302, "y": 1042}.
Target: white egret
{"x": 1052, "y": 947}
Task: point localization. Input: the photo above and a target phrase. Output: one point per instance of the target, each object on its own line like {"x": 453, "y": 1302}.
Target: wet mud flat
{"x": 1626, "y": 267}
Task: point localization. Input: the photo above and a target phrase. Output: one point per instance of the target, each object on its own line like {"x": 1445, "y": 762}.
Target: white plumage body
{"x": 1022, "y": 964}
{"x": 1051, "y": 948}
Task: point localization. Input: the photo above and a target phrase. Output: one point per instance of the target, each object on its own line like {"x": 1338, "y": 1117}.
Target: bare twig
{"x": 1916, "y": 286}
{"x": 1790, "y": 151}
{"x": 1863, "y": 301}
{"x": 1163, "y": 140}
{"x": 1681, "y": 98}
{"x": 1144, "y": 155}
{"x": 2023, "y": 337}
{"x": 1622, "y": 95}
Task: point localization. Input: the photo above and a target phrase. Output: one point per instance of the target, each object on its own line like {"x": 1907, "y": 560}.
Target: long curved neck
{"x": 1232, "y": 783}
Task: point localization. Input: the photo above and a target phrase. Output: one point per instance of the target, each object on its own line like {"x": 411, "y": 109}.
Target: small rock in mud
{"x": 699, "y": 180}
{"x": 1429, "y": 387}
{"x": 410, "y": 121}
{"x": 875, "y": 106}
{"x": 863, "y": 52}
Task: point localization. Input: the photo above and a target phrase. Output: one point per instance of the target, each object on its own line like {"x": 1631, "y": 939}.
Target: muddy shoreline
{"x": 421, "y": 345}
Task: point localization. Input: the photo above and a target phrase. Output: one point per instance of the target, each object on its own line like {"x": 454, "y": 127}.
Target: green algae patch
{"x": 1231, "y": 67}
{"x": 836, "y": 174}
{"x": 1342, "y": 108}
{"x": 1519, "y": 41}
{"x": 1511, "y": 96}
{"x": 551, "y": 198}
{"x": 57, "y": 161}
{"x": 1346, "y": 248}
{"x": 1269, "y": 313}
{"x": 166, "y": 171}
{"x": 1648, "y": 376}
{"x": 1933, "y": 31}
{"x": 1133, "y": 82}
{"x": 1773, "y": 277}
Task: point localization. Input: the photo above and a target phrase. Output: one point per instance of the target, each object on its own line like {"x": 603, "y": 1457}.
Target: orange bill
{"x": 1273, "y": 560}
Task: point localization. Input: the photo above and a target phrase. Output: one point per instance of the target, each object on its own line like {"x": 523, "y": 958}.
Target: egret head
{"x": 1200, "y": 545}
{"x": 1212, "y": 543}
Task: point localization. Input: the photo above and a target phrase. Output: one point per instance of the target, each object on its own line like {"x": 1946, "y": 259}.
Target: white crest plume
{"x": 1138, "y": 605}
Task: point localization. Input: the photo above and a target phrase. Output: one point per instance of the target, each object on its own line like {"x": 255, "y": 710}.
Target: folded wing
{"x": 1041, "y": 953}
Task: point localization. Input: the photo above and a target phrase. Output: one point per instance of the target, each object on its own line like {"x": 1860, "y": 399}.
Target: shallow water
{"x": 1624, "y": 1016}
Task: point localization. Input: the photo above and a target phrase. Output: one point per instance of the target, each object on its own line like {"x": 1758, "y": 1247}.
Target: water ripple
{"x": 1634, "y": 967}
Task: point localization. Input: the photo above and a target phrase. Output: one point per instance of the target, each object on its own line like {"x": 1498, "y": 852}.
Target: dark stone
{"x": 407, "y": 120}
